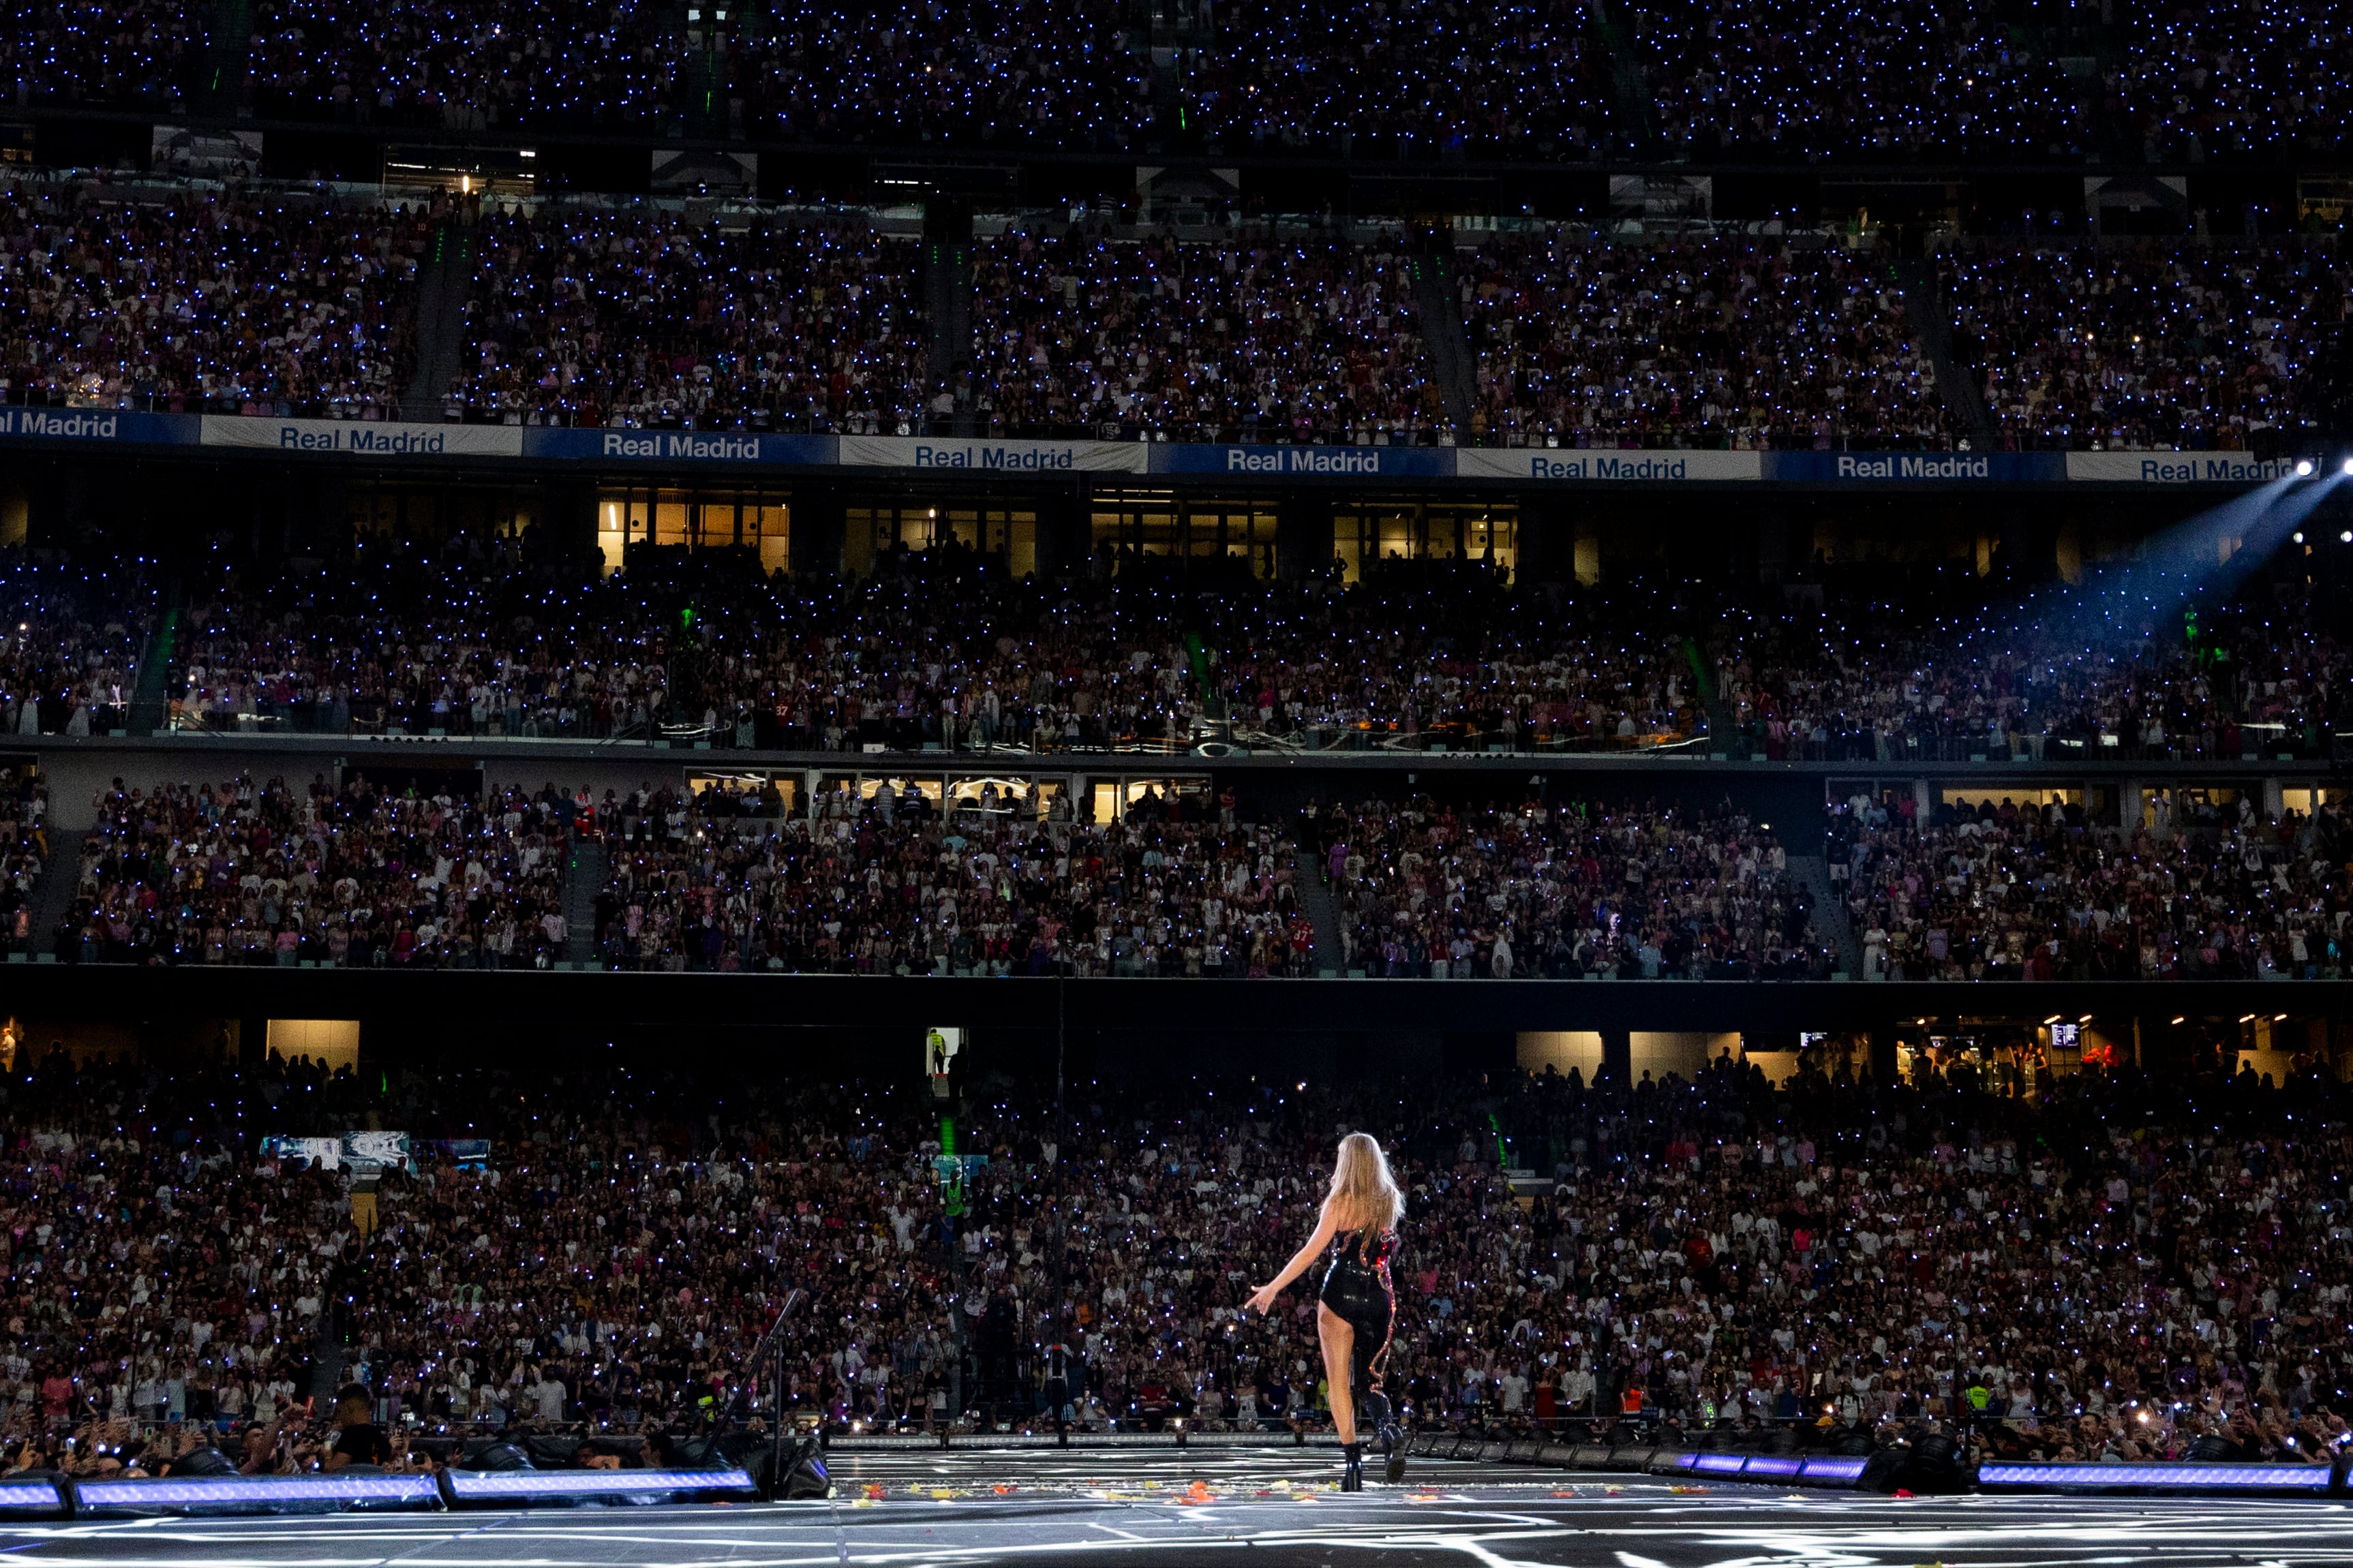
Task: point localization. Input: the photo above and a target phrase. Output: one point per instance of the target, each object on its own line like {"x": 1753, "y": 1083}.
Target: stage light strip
{"x": 256, "y": 1489}
{"x": 1718, "y": 1464}
{"x": 2218, "y": 1477}
{"x": 1832, "y": 1468}
{"x": 29, "y": 1497}
{"x": 1771, "y": 1465}
{"x": 472, "y": 1485}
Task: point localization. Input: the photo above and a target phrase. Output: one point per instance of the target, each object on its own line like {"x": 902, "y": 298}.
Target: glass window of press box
{"x": 980, "y": 797}
{"x": 1419, "y": 531}
{"x": 1169, "y": 525}
{"x": 752, "y": 521}
{"x": 869, "y": 533}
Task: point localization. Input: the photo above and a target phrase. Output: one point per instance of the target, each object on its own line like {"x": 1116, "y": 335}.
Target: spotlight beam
{"x": 2105, "y": 615}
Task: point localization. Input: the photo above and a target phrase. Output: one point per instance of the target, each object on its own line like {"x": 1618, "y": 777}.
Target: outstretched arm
{"x": 1262, "y": 1299}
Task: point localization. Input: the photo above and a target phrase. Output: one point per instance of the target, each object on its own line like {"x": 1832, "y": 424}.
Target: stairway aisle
{"x": 151, "y": 683}
{"x": 1932, "y": 326}
{"x": 444, "y": 284}
{"x": 1315, "y": 899}
{"x": 1637, "y": 130}
{"x": 583, "y": 878}
{"x": 222, "y": 85}
{"x": 1829, "y": 912}
{"x": 1450, "y": 363}
{"x": 61, "y": 879}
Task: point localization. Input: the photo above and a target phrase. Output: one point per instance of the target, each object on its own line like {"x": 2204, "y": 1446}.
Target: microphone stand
{"x": 771, "y": 1342}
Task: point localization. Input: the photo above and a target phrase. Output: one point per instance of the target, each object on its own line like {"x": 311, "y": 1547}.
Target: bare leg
{"x": 1339, "y": 1348}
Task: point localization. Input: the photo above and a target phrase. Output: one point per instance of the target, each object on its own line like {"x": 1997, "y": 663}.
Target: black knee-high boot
{"x": 1352, "y": 1466}
{"x": 1374, "y": 1411}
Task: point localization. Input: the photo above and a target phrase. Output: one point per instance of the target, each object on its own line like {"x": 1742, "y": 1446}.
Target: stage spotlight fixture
{"x": 2346, "y": 537}
{"x": 2299, "y": 536}
{"x": 2304, "y": 467}
{"x": 2347, "y": 467}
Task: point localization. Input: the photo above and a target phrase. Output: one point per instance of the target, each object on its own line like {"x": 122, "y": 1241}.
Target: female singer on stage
{"x": 1357, "y": 1306}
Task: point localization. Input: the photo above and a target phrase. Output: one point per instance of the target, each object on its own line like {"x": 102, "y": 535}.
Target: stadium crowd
{"x": 1718, "y": 343}
{"x": 588, "y": 316}
{"x": 894, "y": 880}
{"x": 811, "y": 73}
{"x": 2089, "y": 1265}
{"x": 241, "y": 873}
{"x": 2077, "y": 671}
{"x": 473, "y": 635}
{"x": 2001, "y": 890}
{"x": 2138, "y": 348}
{"x": 1273, "y": 335}
{"x": 1740, "y": 79}
{"x": 70, "y": 637}
{"x": 895, "y": 884}
{"x": 23, "y": 852}
{"x": 462, "y": 635}
{"x": 1421, "y": 80}
{"x": 1075, "y": 76}
{"x": 2207, "y": 80}
{"x": 1773, "y": 79}
{"x": 140, "y": 52}
{"x": 1562, "y": 891}
{"x": 392, "y": 62}
{"x": 178, "y": 299}
{"x": 643, "y": 314}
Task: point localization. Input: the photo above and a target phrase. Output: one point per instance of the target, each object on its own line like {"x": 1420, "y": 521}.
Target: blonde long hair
{"x": 1364, "y": 1196}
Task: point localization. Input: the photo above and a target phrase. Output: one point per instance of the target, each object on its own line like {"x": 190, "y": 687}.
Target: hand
{"x": 1262, "y": 1299}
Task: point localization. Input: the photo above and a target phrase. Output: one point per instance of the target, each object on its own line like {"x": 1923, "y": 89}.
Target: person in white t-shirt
{"x": 551, "y": 1397}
